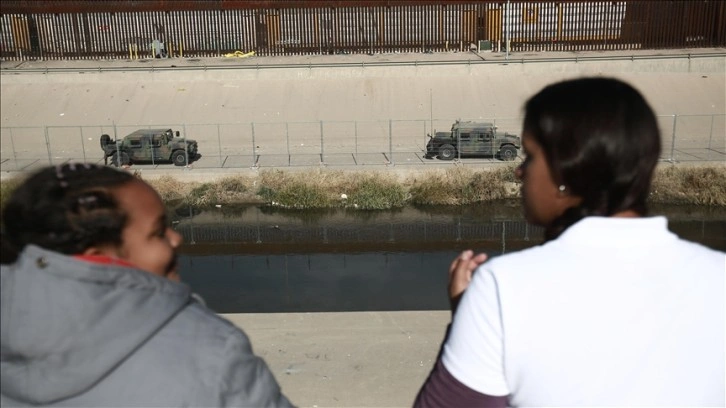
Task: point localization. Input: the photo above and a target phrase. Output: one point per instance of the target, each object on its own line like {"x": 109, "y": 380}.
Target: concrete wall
{"x": 466, "y": 90}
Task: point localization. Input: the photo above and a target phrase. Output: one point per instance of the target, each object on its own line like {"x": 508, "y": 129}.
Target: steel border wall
{"x": 49, "y": 30}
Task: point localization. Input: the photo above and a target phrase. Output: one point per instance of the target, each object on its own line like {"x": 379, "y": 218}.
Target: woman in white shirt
{"x": 613, "y": 309}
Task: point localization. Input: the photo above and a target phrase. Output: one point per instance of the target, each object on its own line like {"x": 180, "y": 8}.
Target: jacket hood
{"x": 64, "y": 322}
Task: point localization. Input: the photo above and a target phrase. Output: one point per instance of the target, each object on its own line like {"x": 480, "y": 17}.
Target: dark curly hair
{"x": 66, "y": 208}
{"x": 601, "y": 141}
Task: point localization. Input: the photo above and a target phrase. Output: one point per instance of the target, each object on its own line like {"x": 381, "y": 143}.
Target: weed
{"x": 202, "y": 195}
{"x": 322, "y": 188}
{"x": 460, "y": 186}
{"x": 233, "y": 185}
{"x": 296, "y": 190}
{"x": 483, "y": 186}
{"x": 689, "y": 185}
{"x": 267, "y": 193}
{"x": 171, "y": 189}
{"x": 377, "y": 193}
{"x": 301, "y": 195}
{"x": 439, "y": 188}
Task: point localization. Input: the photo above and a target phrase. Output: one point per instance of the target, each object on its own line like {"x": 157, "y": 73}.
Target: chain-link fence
{"x": 424, "y": 231}
{"x": 321, "y": 143}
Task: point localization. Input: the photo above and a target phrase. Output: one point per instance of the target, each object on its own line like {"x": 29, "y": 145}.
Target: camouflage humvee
{"x": 473, "y": 139}
{"x": 149, "y": 145}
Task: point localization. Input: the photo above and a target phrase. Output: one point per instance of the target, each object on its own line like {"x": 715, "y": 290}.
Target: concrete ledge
{"x": 584, "y": 66}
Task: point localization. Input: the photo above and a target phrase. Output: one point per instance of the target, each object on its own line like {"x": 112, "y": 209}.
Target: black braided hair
{"x": 66, "y": 208}
{"x": 601, "y": 141}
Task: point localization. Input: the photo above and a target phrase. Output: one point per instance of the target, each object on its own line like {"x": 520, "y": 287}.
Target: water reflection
{"x": 250, "y": 259}
{"x": 320, "y": 282}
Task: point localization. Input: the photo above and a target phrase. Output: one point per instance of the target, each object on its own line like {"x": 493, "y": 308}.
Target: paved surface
{"x": 338, "y": 359}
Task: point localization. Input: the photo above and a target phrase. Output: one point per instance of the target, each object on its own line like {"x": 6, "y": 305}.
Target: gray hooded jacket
{"x": 74, "y": 333}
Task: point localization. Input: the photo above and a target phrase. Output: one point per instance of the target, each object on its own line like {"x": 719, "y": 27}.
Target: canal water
{"x": 267, "y": 260}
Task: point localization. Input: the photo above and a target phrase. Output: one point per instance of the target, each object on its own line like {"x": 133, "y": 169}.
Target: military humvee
{"x": 473, "y": 139}
{"x": 149, "y": 145}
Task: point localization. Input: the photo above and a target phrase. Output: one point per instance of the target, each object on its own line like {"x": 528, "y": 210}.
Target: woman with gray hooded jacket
{"x": 92, "y": 310}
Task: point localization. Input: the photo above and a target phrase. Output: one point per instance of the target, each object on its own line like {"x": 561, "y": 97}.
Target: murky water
{"x": 250, "y": 259}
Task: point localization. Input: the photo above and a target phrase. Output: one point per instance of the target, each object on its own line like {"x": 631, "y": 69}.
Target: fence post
{"x": 254, "y": 151}
{"x": 118, "y": 147}
{"x": 186, "y": 147}
{"x": 710, "y": 134}
{"x": 322, "y": 160}
{"x": 494, "y": 135}
{"x": 15, "y": 153}
{"x": 47, "y": 146}
{"x": 83, "y": 144}
{"x": 458, "y": 144}
{"x": 287, "y": 138}
{"x": 151, "y": 149}
{"x": 390, "y": 142}
{"x": 424, "y": 136}
{"x": 504, "y": 237}
{"x": 673, "y": 138}
{"x": 191, "y": 226}
{"x": 431, "y": 110}
{"x": 219, "y": 144}
{"x": 355, "y": 127}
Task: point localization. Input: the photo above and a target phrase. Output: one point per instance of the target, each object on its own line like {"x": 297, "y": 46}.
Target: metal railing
{"x": 685, "y": 138}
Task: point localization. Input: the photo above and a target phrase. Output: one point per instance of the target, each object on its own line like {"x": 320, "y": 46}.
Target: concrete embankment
{"x": 342, "y": 88}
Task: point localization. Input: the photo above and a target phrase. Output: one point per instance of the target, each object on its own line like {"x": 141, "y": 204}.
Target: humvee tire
{"x": 508, "y": 153}
{"x": 124, "y": 159}
{"x": 447, "y": 152}
{"x": 179, "y": 158}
